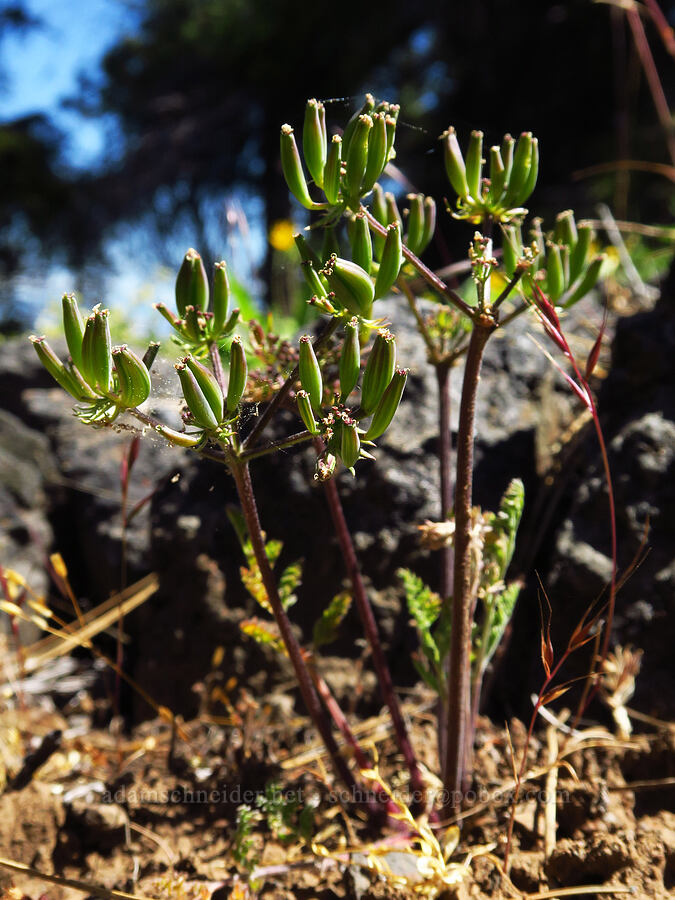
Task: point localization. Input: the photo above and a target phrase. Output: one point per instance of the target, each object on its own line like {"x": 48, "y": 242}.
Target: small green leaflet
{"x": 325, "y": 627}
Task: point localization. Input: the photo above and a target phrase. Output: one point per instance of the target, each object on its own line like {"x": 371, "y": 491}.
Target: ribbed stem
{"x": 459, "y": 683}
{"x": 317, "y": 713}
{"x": 370, "y": 627}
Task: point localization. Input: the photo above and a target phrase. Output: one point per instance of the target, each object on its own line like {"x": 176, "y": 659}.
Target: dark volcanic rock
{"x": 62, "y": 478}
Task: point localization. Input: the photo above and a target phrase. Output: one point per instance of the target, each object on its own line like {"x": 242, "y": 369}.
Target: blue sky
{"x": 42, "y": 64}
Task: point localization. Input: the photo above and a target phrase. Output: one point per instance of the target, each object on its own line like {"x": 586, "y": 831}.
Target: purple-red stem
{"x": 217, "y": 363}
{"x": 651, "y": 72}
{"x": 459, "y": 683}
{"x": 242, "y": 479}
{"x": 445, "y": 466}
{"x": 370, "y": 627}
{"x": 446, "y": 552}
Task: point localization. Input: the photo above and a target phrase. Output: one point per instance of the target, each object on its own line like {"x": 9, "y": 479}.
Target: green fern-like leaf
{"x": 504, "y": 605}
{"x": 424, "y": 605}
{"x": 291, "y": 579}
{"x": 264, "y": 633}
{"x": 326, "y": 626}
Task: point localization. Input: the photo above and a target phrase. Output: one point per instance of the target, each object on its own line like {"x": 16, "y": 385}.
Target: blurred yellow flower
{"x": 281, "y": 235}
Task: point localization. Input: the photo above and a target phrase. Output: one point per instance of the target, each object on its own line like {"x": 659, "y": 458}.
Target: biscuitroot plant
{"x": 345, "y": 384}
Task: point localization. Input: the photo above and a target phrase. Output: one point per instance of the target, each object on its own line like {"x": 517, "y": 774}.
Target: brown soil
{"x": 154, "y": 814}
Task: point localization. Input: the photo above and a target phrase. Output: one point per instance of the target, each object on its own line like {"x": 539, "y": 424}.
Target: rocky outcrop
{"x": 59, "y": 480}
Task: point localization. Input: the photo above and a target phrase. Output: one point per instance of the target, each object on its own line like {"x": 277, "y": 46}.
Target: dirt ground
{"x": 154, "y": 813}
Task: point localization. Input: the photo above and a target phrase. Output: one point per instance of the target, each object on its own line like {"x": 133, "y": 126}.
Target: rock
{"x": 523, "y": 405}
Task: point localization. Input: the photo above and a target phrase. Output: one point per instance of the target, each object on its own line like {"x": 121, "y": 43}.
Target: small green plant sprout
{"x": 287, "y": 818}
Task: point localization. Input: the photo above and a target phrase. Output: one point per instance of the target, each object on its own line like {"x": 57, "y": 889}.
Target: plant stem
{"x": 217, "y": 364}
{"x": 432, "y": 350}
{"x": 430, "y": 277}
{"x": 242, "y": 479}
{"x": 445, "y": 466}
{"x": 370, "y": 627}
{"x": 299, "y": 438}
{"x": 460, "y": 646}
{"x": 284, "y": 390}
{"x": 338, "y": 717}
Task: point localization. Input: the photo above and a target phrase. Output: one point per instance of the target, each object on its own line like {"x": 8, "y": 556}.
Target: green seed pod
{"x": 531, "y": 182}
{"x": 352, "y": 286}
{"x": 390, "y": 264}
{"x": 565, "y": 228}
{"x": 331, "y": 172}
{"x": 179, "y": 438}
{"x": 132, "y": 376}
{"x": 313, "y": 279}
{"x": 84, "y": 392}
{"x": 292, "y": 168}
{"x": 379, "y": 210}
{"x": 512, "y": 249}
{"x": 362, "y": 245}
{"x": 429, "y": 223}
{"x": 555, "y": 279}
{"x": 192, "y": 286}
{"x": 379, "y": 205}
{"x": 497, "y": 175}
{"x": 366, "y": 110}
{"x": 208, "y": 386}
{"x": 356, "y": 156}
{"x": 310, "y": 372}
{"x": 539, "y": 242}
{"x": 386, "y": 408}
{"x": 379, "y": 370}
{"x": 220, "y": 303}
{"x": 413, "y": 238}
{"x": 350, "y": 444}
{"x": 306, "y": 414}
{"x": 193, "y": 327}
{"x": 393, "y": 212}
{"x": 97, "y": 363}
{"x": 520, "y": 170}
{"x": 390, "y": 123}
{"x": 350, "y": 360}
{"x": 55, "y": 367}
{"x": 73, "y": 327}
{"x": 330, "y": 243}
{"x": 580, "y": 250}
{"x": 587, "y": 282}
{"x": 151, "y": 354}
{"x": 305, "y": 251}
{"x": 507, "y": 156}
{"x": 238, "y": 375}
{"x": 474, "y": 164}
{"x": 454, "y": 163}
{"x": 314, "y": 141}
{"x": 170, "y": 317}
{"x": 195, "y": 399}
{"x": 377, "y": 152}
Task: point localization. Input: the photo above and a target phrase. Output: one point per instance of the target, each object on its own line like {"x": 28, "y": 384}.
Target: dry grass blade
{"x": 73, "y": 883}
{"x": 94, "y": 622}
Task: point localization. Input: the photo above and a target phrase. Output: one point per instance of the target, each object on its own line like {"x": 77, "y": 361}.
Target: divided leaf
{"x": 325, "y": 627}
{"x": 264, "y": 633}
